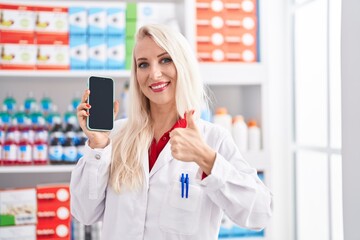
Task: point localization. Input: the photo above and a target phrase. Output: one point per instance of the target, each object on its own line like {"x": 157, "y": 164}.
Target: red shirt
{"x": 156, "y": 148}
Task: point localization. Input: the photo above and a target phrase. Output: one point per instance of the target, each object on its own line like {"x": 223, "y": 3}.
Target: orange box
{"x": 53, "y": 56}
{"x": 53, "y": 193}
{"x": 52, "y": 24}
{"x": 53, "y": 230}
{"x": 208, "y": 52}
{"x": 17, "y": 22}
{"x": 17, "y": 54}
{"x": 245, "y": 6}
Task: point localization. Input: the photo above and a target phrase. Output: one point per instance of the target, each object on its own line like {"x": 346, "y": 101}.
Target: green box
{"x": 128, "y": 61}
{"x": 131, "y": 11}
{"x": 129, "y": 45}
{"x": 7, "y": 220}
{"x": 130, "y": 28}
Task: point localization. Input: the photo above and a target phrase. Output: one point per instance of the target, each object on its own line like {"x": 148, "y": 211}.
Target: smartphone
{"x": 101, "y": 99}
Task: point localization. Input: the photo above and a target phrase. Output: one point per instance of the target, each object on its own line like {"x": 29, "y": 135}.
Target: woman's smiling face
{"x": 155, "y": 72}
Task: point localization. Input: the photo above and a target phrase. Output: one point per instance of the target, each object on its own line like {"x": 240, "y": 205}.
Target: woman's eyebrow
{"x": 162, "y": 54}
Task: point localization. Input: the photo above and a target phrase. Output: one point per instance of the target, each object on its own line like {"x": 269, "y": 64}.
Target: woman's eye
{"x": 166, "y": 60}
{"x": 143, "y": 65}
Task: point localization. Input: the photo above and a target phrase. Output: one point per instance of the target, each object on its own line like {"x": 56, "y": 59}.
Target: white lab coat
{"x": 158, "y": 212}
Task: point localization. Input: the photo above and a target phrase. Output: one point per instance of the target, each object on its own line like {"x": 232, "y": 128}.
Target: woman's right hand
{"x": 97, "y": 139}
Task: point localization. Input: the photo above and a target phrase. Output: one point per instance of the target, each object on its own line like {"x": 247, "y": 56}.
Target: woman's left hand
{"x": 188, "y": 145}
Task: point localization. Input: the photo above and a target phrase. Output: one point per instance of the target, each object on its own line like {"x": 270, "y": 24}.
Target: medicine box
{"x": 97, "y": 21}
{"x": 97, "y": 53}
{"x": 116, "y": 52}
{"x": 116, "y": 20}
{"x": 26, "y": 232}
{"x": 78, "y": 52}
{"x": 78, "y": 20}
{"x": 17, "y": 54}
{"x": 18, "y": 207}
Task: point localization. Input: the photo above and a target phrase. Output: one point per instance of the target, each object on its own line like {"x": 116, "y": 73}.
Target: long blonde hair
{"x": 134, "y": 139}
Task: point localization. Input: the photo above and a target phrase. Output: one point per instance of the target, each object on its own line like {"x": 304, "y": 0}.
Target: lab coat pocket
{"x": 181, "y": 215}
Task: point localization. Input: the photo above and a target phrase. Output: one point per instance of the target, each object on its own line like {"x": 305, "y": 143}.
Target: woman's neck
{"x": 163, "y": 121}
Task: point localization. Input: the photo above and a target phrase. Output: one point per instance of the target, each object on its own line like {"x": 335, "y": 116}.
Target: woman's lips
{"x": 158, "y": 87}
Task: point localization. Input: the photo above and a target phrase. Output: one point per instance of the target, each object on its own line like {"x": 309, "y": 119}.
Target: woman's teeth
{"x": 159, "y": 86}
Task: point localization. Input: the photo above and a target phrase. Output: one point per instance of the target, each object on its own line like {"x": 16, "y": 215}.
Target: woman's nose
{"x": 156, "y": 73}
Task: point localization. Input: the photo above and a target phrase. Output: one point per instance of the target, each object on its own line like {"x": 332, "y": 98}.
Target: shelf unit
{"x": 242, "y": 87}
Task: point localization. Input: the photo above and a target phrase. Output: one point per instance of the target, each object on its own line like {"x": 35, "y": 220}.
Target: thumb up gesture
{"x": 188, "y": 145}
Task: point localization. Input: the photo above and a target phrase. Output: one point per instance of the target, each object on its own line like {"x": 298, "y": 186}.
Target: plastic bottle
{"x": 70, "y": 115}
{"x": 69, "y": 147}
{"x": 6, "y": 117}
{"x": 24, "y": 150}
{"x": 46, "y": 104}
{"x": 240, "y": 133}
{"x": 53, "y": 117}
{"x": 254, "y": 136}
{"x": 55, "y": 145}
{"x": 10, "y": 103}
{"x": 206, "y": 115}
{"x": 222, "y": 118}
{"x": 21, "y": 118}
{"x": 29, "y": 103}
{"x": 80, "y": 144}
{"x": 10, "y": 147}
{"x": 40, "y": 147}
{"x": 76, "y": 100}
{"x": 2, "y": 139}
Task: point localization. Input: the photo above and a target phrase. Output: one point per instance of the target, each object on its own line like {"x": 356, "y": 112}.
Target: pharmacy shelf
{"x": 212, "y": 73}
{"x": 256, "y": 159}
{"x": 233, "y": 73}
{"x": 54, "y": 74}
{"x": 37, "y": 169}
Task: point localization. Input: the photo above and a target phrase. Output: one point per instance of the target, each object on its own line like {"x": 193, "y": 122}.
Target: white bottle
{"x": 240, "y": 133}
{"x": 223, "y": 119}
{"x": 254, "y": 136}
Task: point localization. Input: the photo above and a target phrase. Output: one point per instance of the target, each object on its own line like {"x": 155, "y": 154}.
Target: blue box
{"x": 97, "y": 21}
{"x": 78, "y": 20}
{"x": 116, "y": 52}
{"x": 97, "y": 52}
{"x": 116, "y": 21}
{"x": 78, "y": 52}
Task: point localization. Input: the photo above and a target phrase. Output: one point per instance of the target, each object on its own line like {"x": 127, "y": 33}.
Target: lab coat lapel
{"x": 146, "y": 168}
{"x": 164, "y": 158}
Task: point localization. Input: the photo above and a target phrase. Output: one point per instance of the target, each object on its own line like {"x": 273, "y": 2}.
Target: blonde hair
{"x": 134, "y": 139}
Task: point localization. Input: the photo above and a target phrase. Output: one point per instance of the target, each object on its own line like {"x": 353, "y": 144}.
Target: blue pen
{"x": 187, "y": 181}
{"x": 182, "y": 180}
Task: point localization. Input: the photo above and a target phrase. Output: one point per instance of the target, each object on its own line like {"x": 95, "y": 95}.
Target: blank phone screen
{"x": 101, "y": 100}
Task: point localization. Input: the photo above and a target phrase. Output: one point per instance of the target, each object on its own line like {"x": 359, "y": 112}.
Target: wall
{"x": 350, "y": 58}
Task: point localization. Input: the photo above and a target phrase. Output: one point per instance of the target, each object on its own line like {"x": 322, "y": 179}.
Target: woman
{"x": 164, "y": 173}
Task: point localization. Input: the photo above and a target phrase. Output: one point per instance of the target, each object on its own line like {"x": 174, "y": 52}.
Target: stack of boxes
{"x": 54, "y": 219}
{"x": 75, "y": 37}
{"x": 227, "y": 30}
{"x": 116, "y": 37}
{"x": 78, "y": 38}
{"x": 97, "y": 37}
{"x": 17, "y": 37}
{"x": 33, "y": 37}
{"x": 52, "y": 38}
{"x": 131, "y": 14}
{"x": 18, "y": 214}
{"x": 138, "y": 14}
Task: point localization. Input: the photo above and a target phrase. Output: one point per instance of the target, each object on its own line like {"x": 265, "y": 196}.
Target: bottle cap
{"x": 252, "y": 123}
{"x": 221, "y": 111}
{"x": 238, "y": 118}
